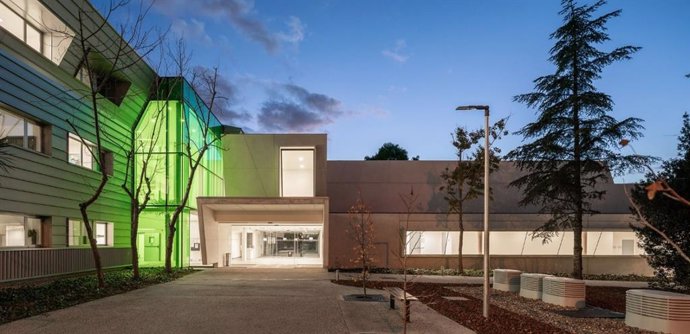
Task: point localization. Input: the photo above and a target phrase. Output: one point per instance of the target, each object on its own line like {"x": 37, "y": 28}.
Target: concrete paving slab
{"x": 236, "y": 301}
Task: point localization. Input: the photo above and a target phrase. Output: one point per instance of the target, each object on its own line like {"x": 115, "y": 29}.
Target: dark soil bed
{"x": 468, "y": 312}
{"x": 510, "y": 313}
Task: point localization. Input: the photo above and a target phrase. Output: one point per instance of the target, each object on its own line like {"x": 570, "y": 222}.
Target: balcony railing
{"x": 18, "y": 264}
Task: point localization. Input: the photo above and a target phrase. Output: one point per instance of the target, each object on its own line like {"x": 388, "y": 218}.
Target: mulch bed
{"x": 510, "y": 313}
{"x": 469, "y": 312}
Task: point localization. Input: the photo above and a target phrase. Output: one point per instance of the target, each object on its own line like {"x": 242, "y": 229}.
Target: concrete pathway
{"x": 237, "y": 301}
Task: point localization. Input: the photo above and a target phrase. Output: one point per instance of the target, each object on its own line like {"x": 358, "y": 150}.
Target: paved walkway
{"x": 237, "y": 301}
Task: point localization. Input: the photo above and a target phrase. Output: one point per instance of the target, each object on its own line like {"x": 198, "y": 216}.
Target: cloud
{"x": 241, "y": 15}
{"x": 295, "y": 109}
{"x": 225, "y": 105}
{"x": 296, "y": 33}
{"x": 192, "y": 29}
{"x": 397, "y": 53}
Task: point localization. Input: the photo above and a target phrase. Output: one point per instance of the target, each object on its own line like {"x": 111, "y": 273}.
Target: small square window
{"x": 79, "y": 152}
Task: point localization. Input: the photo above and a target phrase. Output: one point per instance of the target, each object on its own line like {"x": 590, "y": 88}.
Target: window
{"x": 79, "y": 151}
{"x": 297, "y": 172}
{"x": 19, "y": 231}
{"x": 19, "y": 131}
{"x": 77, "y": 235}
{"x": 36, "y": 26}
{"x": 442, "y": 243}
{"x": 20, "y": 28}
{"x": 101, "y": 234}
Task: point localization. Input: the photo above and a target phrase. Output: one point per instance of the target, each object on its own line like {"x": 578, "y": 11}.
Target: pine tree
{"x": 668, "y": 215}
{"x": 569, "y": 147}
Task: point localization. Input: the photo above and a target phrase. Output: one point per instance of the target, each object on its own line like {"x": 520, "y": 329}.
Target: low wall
{"x": 18, "y": 264}
{"x": 600, "y": 264}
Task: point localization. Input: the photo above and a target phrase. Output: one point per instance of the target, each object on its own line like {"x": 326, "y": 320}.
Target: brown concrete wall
{"x": 251, "y": 166}
{"x": 388, "y": 250}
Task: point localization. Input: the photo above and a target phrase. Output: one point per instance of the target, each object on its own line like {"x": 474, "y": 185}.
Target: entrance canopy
{"x": 247, "y": 229}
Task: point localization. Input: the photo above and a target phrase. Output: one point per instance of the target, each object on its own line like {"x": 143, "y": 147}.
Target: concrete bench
{"x": 531, "y": 285}
{"x": 658, "y": 311}
{"x": 507, "y": 280}
{"x": 399, "y": 294}
{"x": 566, "y": 292}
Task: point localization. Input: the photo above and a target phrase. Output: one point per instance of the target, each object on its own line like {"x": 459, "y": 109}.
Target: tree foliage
{"x": 390, "y": 151}
{"x": 466, "y": 181}
{"x": 568, "y": 149}
{"x": 667, "y": 214}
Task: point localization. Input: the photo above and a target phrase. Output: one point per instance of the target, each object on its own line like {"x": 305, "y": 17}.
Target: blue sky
{"x": 369, "y": 72}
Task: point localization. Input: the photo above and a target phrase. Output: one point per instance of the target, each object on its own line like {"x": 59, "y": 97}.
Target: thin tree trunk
{"x": 133, "y": 240}
{"x": 577, "y": 248}
{"x": 170, "y": 239}
{"x": 577, "y": 160}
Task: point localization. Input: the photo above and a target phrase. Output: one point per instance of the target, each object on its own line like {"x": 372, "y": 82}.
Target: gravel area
{"x": 545, "y": 313}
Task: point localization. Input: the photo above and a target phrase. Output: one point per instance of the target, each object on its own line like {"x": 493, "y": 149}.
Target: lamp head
{"x": 476, "y": 107}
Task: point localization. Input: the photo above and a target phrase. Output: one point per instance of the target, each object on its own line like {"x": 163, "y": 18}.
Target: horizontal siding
{"x": 44, "y": 185}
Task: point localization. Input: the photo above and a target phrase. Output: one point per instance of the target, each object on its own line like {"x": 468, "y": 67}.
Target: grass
{"x": 29, "y": 300}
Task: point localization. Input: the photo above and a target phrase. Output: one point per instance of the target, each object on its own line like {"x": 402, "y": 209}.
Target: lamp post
{"x": 486, "y": 203}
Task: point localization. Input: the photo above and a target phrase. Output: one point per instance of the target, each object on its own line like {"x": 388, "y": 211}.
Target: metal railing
{"x": 18, "y": 264}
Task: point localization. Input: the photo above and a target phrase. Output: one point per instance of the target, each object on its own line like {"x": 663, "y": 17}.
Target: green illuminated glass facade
{"x": 166, "y": 130}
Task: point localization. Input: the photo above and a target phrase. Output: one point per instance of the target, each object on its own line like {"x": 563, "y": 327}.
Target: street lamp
{"x": 486, "y": 203}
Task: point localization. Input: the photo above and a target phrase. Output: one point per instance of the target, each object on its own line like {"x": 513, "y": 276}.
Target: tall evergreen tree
{"x": 568, "y": 149}
{"x": 668, "y": 215}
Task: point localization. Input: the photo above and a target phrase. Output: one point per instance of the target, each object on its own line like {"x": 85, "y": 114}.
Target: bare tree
{"x": 205, "y": 83}
{"x": 143, "y": 164}
{"x": 410, "y": 203}
{"x": 102, "y": 67}
{"x": 361, "y": 230}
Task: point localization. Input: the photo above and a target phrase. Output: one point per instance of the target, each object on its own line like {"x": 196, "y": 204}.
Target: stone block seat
{"x": 531, "y": 285}
{"x": 562, "y": 291}
{"x": 658, "y": 311}
{"x": 507, "y": 280}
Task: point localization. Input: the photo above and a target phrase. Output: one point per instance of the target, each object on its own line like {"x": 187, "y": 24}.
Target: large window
{"x": 79, "y": 151}
{"x": 521, "y": 243}
{"x": 442, "y": 243}
{"x": 77, "y": 235}
{"x": 297, "y": 172}
{"x": 20, "y": 131}
{"x": 37, "y": 27}
{"x": 19, "y": 231}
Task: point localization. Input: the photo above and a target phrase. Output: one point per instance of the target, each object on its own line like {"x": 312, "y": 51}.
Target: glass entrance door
{"x": 290, "y": 244}
{"x": 276, "y": 245}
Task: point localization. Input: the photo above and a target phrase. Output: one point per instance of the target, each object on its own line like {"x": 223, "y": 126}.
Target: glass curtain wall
{"x": 163, "y": 134}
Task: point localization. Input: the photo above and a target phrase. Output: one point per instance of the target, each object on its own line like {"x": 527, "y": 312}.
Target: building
{"x": 271, "y": 199}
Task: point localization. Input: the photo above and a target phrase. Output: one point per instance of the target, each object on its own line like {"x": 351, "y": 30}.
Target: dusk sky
{"x": 369, "y": 72}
